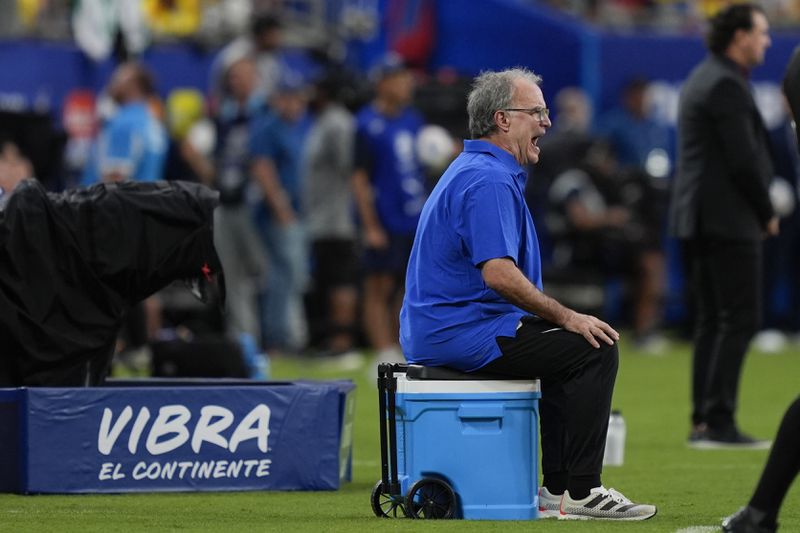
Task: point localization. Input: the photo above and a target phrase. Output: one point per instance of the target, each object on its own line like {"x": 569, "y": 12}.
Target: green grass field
{"x": 693, "y": 489}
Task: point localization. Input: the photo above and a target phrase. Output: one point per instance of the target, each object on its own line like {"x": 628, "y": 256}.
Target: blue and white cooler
{"x": 477, "y": 434}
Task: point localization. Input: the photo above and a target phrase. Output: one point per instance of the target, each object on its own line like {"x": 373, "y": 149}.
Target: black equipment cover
{"x": 72, "y": 264}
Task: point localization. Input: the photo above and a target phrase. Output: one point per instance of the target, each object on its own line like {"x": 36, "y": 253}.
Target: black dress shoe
{"x": 747, "y": 520}
{"x": 726, "y": 438}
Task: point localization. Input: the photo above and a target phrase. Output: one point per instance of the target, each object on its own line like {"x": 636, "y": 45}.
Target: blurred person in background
{"x": 605, "y": 219}
{"x": 571, "y": 136}
{"x": 721, "y": 210}
{"x": 389, "y": 188}
{"x": 132, "y": 145}
{"x": 327, "y": 167}
{"x": 782, "y": 254}
{"x": 642, "y": 149}
{"x": 565, "y": 145}
{"x": 263, "y": 44}
{"x": 635, "y": 137}
{"x": 276, "y": 150}
{"x": 236, "y": 235}
{"x": 14, "y": 167}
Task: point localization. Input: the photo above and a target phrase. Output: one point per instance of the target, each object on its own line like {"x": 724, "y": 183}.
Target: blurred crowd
{"x": 212, "y": 22}
{"x": 603, "y": 187}
{"x": 605, "y": 181}
{"x": 685, "y": 16}
{"x": 322, "y": 173}
{"x": 93, "y": 24}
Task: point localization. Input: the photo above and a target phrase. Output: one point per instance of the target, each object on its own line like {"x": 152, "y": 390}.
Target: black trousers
{"x": 577, "y": 384}
{"x": 725, "y": 278}
{"x": 782, "y": 466}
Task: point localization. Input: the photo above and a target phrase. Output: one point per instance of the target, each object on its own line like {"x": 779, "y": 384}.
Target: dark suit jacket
{"x": 721, "y": 189}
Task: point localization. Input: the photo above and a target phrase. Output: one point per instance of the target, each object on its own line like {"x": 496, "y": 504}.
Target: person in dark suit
{"x": 721, "y": 210}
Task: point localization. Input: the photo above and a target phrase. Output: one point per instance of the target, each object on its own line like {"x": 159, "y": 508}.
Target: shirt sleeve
{"x": 492, "y": 222}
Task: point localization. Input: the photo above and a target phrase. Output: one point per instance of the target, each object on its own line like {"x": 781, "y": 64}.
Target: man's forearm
{"x": 503, "y": 276}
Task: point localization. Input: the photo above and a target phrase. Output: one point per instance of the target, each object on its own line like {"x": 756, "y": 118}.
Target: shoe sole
{"x": 570, "y": 516}
{"x": 717, "y": 445}
{"x": 545, "y": 513}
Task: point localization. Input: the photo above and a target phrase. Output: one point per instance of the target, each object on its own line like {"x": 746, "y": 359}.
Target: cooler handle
{"x": 481, "y": 410}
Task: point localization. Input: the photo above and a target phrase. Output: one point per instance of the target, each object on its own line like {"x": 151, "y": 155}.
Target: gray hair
{"x": 492, "y": 91}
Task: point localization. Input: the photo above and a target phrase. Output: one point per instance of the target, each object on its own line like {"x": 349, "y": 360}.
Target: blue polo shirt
{"x": 476, "y": 212}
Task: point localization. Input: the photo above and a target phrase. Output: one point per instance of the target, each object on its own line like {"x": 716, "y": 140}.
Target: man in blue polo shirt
{"x": 474, "y": 298}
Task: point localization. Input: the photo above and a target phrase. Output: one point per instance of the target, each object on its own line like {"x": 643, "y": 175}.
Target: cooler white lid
{"x": 435, "y": 386}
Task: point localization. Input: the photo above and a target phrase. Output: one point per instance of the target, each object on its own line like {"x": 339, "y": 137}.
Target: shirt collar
{"x": 501, "y": 155}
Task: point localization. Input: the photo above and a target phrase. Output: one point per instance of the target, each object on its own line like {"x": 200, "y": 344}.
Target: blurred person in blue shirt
{"x": 276, "y": 149}
{"x": 389, "y": 188}
{"x": 634, "y": 135}
{"x": 132, "y": 145}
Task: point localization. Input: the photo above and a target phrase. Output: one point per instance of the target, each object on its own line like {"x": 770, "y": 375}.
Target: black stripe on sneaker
{"x": 610, "y": 505}
{"x": 597, "y": 501}
{"x": 626, "y": 508}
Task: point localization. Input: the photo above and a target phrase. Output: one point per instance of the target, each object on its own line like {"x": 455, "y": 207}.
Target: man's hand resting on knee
{"x": 503, "y": 276}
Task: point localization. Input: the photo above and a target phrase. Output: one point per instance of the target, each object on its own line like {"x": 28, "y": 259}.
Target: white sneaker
{"x": 549, "y": 504}
{"x": 604, "y": 504}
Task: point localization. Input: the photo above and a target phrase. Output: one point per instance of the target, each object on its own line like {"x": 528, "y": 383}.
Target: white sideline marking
{"x": 699, "y": 529}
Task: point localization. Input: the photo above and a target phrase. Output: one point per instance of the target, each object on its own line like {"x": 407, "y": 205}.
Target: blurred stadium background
{"x": 58, "y": 55}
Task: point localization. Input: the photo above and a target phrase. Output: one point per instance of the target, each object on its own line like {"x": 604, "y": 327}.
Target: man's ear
{"x": 501, "y": 120}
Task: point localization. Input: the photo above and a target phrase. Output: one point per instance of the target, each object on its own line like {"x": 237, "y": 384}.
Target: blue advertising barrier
{"x": 176, "y": 435}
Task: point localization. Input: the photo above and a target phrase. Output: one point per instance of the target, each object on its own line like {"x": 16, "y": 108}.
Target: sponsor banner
{"x": 288, "y": 436}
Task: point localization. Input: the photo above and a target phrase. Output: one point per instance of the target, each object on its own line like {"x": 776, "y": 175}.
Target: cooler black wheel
{"x": 386, "y": 505}
{"x": 430, "y": 498}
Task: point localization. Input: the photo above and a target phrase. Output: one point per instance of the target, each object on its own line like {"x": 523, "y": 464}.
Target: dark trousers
{"x": 725, "y": 279}
{"x": 577, "y": 384}
{"x": 783, "y": 464}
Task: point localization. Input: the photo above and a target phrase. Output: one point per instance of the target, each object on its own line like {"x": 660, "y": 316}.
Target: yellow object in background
{"x": 28, "y": 12}
{"x": 173, "y": 17}
{"x": 184, "y": 108}
{"x": 709, "y": 8}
